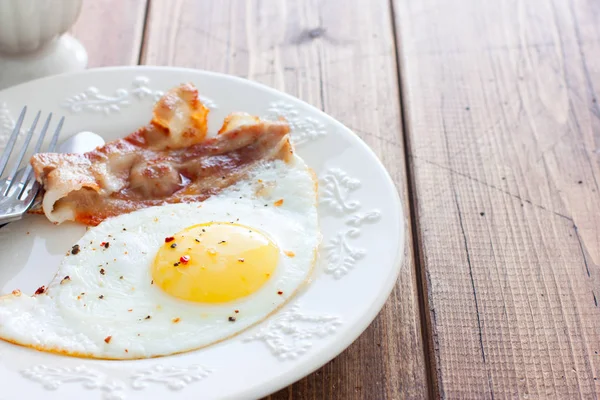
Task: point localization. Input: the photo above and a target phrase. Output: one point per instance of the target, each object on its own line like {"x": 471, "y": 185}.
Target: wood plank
{"x": 345, "y": 66}
{"x": 502, "y": 117}
{"x": 111, "y": 31}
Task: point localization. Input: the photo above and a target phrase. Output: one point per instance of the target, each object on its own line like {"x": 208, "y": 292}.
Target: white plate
{"x": 361, "y": 254}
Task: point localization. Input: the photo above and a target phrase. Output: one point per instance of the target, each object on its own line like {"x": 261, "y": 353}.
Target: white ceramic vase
{"x": 33, "y": 42}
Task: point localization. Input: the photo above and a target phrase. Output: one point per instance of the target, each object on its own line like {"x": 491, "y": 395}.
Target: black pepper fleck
{"x": 580, "y": 182}
{"x": 176, "y": 264}
{"x": 482, "y": 213}
{"x": 102, "y": 272}
{"x": 197, "y": 240}
{"x": 231, "y": 319}
{"x": 148, "y": 317}
{"x": 101, "y": 296}
{"x": 174, "y": 245}
{"x": 75, "y": 249}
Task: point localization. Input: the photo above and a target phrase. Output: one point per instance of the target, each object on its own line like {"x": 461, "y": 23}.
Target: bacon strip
{"x": 165, "y": 162}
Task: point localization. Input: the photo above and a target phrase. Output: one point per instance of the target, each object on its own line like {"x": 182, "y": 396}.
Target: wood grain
{"x": 503, "y": 130}
{"x": 111, "y": 31}
{"x": 340, "y": 57}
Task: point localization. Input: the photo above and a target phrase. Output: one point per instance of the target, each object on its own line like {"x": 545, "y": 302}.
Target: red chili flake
{"x": 40, "y": 290}
{"x": 16, "y": 292}
{"x": 107, "y": 339}
{"x": 130, "y": 310}
{"x": 237, "y": 311}
{"x": 278, "y": 203}
{"x": 280, "y": 293}
{"x": 105, "y": 245}
{"x": 75, "y": 249}
{"x": 231, "y": 319}
{"x": 65, "y": 279}
{"x": 126, "y": 351}
{"x": 176, "y": 320}
{"x": 169, "y": 239}
{"x": 102, "y": 272}
{"x": 184, "y": 259}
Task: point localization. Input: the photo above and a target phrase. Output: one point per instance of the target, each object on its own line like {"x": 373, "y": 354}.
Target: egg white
{"x": 102, "y": 309}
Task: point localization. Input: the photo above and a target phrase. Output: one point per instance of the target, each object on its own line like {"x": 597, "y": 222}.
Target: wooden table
{"x": 487, "y": 115}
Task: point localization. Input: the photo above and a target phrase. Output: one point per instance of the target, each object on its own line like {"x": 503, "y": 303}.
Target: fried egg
{"x": 175, "y": 278}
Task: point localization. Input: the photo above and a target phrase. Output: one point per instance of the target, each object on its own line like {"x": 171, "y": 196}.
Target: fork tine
{"x": 29, "y": 183}
{"x": 15, "y": 167}
{"x": 38, "y": 146}
{"x": 11, "y": 141}
{"x": 56, "y": 134}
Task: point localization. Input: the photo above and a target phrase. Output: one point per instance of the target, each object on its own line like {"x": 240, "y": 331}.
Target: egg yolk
{"x": 214, "y": 262}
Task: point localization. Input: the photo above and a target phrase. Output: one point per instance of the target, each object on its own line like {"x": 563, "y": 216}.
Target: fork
{"x": 18, "y": 192}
